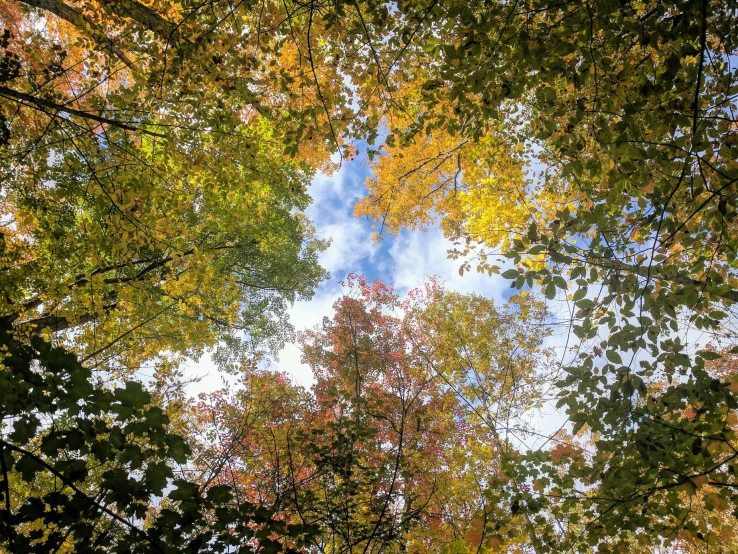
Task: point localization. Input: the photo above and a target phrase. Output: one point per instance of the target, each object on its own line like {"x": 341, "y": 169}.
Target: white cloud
{"x": 327, "y": 189}
{"x": 334, "y": 195}
{"x": 204, "y": 376}
{"x": 306, "y": 315}
{"x": 350, "y": 246}
{"x": 415, "y": 256}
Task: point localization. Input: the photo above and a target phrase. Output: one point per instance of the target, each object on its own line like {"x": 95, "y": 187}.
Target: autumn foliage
{"x": 386, "y": 453}
{"x": 156, "y": 159}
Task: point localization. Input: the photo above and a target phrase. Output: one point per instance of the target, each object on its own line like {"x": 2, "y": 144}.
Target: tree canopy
{"x": 594, "y": 147}
{"x": 398, "y": 444}
{"x": 156, "y": 158}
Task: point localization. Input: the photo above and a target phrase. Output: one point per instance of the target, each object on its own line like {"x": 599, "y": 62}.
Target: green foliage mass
{"x": 94, "y": 468}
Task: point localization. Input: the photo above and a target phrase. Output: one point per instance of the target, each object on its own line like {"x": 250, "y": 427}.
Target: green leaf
{"x": 133, "y": 395}
{"x": 28, "y": 468}
{"x": 551, "y": 290}
{"x": 220, "y": 494}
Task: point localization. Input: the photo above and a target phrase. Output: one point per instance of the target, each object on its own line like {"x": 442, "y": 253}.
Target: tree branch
{"x": 41, "y": 103}
{"x": 40, "y": 461}
{"x": 11, "y": 532}
{"x": 58, "y": 323}
{"x": 655, "y": 272}
{"x": 147, "y": 17}
{"x": 76, "y": 18}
